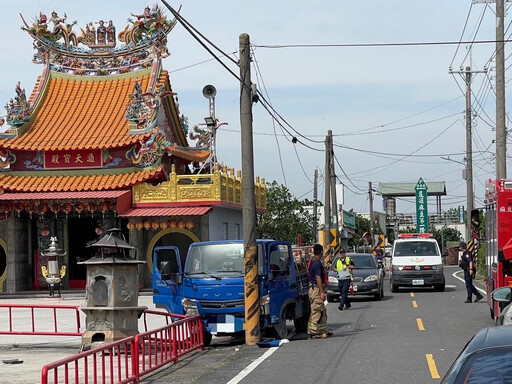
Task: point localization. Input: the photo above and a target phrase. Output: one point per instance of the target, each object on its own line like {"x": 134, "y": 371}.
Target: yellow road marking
{"x": 412, "y": 294}
{"x": 414, "y": 304}
{"x": 432, "y": 366}
{"x": 420, "y": 324}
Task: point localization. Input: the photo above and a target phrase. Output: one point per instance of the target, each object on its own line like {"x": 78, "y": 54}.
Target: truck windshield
{"x": 416, "y": 248}
{"x": 216, "y": 260}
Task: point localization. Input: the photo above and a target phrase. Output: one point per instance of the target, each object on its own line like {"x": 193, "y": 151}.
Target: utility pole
{"x": 252, "y": 300}
{"x": 501, "y": 130}
{"x": 467, "y": 76}
{"x": 370, "y": 193}
{"x": 315, "y": 208}
{"x": 327, "y": 200}
{"x": 334, "y": 204}
{"x": 469, "y": 155}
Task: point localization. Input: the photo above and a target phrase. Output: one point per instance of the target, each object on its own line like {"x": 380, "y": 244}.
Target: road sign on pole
{"x": 421, "y": 207}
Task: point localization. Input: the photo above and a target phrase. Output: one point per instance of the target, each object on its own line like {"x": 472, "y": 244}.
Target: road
{"x": 409, "y": 337}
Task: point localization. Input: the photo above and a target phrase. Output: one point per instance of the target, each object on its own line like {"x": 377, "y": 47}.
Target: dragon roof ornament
{"x": 95, "y": 50}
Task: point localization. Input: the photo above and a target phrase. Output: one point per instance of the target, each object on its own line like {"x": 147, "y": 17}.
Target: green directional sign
{"x": 421, "y": 207}
{"x": 349, "y": 219}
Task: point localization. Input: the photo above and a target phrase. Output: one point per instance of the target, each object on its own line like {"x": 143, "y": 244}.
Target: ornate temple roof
{"x": 69, "y": 181}
{"x": 81, "y": 113}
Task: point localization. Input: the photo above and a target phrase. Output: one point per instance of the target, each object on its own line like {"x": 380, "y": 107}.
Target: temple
{"x": 100, "y": 143}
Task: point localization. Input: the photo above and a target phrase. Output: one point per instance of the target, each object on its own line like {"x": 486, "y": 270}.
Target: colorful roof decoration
{"x": 66, "y": 181}
{"x": 82, "y": 113}
{"x": 96, "y": 94}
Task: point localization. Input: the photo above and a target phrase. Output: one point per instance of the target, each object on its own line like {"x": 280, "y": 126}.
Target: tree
{"x": 285, "y": 217}
{"x": 445, "y": 234}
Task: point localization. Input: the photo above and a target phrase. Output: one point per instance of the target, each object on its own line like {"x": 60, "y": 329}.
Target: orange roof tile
{"x": 78, "y": 183}
{"x": 80, "y": 112}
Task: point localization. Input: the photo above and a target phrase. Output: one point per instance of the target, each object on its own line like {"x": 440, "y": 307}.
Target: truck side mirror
{"x": 502, "y": 295}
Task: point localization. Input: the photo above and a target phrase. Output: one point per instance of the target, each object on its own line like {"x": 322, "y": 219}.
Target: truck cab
{"x": 211, "y": 283}
{"x": 416, "y": 261}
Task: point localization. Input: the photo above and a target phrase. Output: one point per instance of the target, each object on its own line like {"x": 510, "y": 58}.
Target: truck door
{"x": 167, "y": 279}
{"x": 282, "y": 279}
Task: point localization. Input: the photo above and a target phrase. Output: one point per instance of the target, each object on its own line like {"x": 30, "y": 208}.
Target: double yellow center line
{"x": 430, "y": 358}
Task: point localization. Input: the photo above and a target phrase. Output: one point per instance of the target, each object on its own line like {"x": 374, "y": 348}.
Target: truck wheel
{"x": 492, "y": 313}
{"x": 207, "y": 337}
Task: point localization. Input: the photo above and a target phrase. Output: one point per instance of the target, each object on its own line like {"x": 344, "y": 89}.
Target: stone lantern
{"x": 52, "y": 273}
{"x": 112, "y": 291}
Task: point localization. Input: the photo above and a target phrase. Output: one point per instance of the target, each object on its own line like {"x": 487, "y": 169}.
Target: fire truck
{"x": 498, "y": 237}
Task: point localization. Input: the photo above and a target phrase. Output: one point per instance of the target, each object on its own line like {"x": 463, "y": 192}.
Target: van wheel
{"x": 394, "y": 287}
{"x": 330, "y": 298}
{"x": 439, "y": 288}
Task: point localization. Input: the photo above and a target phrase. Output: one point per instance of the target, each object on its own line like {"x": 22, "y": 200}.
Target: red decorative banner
{"x": 90, "y": 158}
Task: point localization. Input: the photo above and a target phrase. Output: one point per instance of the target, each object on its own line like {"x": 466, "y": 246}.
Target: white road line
{"x": 454, "y": 274}
{"x": 251, "y": 367}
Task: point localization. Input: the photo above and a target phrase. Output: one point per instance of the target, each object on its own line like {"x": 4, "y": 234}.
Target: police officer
{"x": 317, "y": 324}
{"x": 467, "y": 265}
{"x": 344, "y": 266}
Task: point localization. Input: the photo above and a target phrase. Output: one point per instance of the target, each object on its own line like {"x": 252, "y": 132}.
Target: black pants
{"x": 344, "y": 286}
{"x": 470, "y": 288}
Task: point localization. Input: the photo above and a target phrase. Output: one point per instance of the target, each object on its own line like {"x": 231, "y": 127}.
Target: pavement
{"x": 23, "y": 357}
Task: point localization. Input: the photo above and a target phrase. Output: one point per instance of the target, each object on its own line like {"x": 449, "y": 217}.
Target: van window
{"x": 416, "y": 248}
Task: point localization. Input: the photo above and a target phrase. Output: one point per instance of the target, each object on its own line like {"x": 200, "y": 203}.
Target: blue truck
{"x": 209, "y": 281}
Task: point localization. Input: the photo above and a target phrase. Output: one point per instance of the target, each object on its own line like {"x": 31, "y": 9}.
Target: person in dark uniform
{"x": 467, "y": 265}
{"x": 317, "y": 324}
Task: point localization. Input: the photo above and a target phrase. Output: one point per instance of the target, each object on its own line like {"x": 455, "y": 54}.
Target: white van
{"x": 416, "y": 261}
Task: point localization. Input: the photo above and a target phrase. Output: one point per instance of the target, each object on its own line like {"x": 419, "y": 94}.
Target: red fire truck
{"x": 498, "y": 230}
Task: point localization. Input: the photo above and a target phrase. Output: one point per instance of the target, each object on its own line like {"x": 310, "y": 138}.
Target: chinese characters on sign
{"x": 73, "y": 159}
{"x": 421, "y": 207}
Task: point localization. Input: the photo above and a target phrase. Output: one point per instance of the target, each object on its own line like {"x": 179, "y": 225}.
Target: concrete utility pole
{"x": 334, "y": 203}
{"x": 315, "y": 208}
{"x": 467, "y": 75}
{"x": 372, "y": 219}
{"x": 469, "y": 155}
{"x": 501, "y": 129}
{"x": 327, "y": 200}
{"x": 252, "y": 308}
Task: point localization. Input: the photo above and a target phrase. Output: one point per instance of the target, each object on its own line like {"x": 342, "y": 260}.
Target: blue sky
{"x": 394, "y": 100}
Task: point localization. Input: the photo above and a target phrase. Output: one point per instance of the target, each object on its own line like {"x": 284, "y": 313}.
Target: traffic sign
{"x": 382, "y": 241}
{"x": 421, "y": 207}
{"x": 333, "y": 238}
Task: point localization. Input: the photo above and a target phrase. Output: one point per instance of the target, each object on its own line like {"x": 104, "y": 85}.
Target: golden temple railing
{"x": 223, "y": 186}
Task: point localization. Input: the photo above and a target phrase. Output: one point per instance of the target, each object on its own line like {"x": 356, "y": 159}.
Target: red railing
{"x": 148, "y": 351}
{"x": 14, "y": 313}
{"x": 165, "y": 345}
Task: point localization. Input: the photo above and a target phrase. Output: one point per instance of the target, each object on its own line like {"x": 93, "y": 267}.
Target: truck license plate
{"x": 418, "y": 282}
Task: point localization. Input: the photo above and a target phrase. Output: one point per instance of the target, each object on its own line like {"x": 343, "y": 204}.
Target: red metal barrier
{"x": 15, "y": 312}
{"x": 148, "y": 351}
{"x": 109, "y": 363}
{"x": 165, "y": 345}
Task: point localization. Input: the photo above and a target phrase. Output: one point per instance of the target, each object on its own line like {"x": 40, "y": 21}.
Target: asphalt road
{"x": 409, "y": 337}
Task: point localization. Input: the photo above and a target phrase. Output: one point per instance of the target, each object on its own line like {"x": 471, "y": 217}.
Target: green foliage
{"x": 445, "y": 234}
{"x": 286, "y": 217}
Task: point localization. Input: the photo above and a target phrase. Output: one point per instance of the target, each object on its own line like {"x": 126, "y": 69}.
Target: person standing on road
{"x": 466, "y": 263}
{"x": 344, "y": 266}
{"x": 317, "y": 324}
